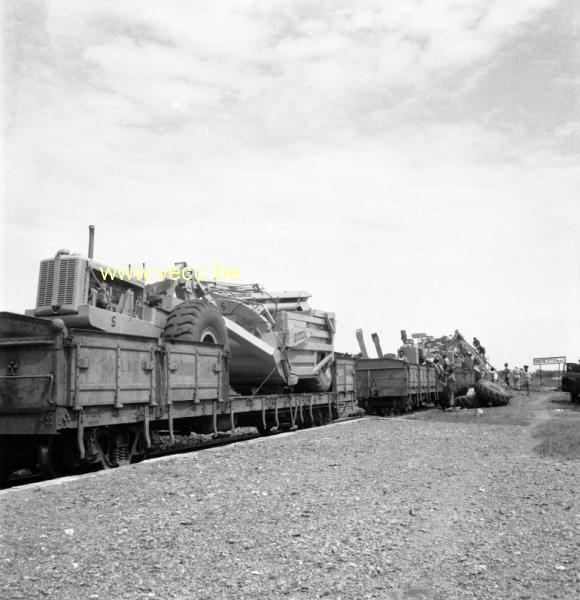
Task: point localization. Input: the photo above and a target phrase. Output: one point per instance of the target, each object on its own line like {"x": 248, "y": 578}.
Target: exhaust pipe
{"x": 361, "y": 343}
{"x": 377, "y": 344}
{"x": 91, "y": 240}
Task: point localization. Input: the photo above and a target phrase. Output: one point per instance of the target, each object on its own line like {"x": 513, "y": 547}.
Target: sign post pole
{"x": 550, "y": 360}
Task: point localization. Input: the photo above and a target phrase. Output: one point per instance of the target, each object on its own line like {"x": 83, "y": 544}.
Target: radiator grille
{"x": 66, "y": 282}
{"x": 45, "y": 283}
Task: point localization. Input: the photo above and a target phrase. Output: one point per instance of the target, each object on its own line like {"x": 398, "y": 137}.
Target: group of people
{"x": 517, "y": 375}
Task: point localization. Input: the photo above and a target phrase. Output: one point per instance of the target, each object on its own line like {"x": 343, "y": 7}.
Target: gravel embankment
{"x": 377, "y": 508}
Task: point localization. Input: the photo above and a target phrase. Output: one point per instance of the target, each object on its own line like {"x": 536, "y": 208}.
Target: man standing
{"x": 506, "y": 375}
{"x": 451, "y": 381}
{"x": 494, "y": 375}
{"x": 527, "y": 379}
{"x": 516, "y": 374}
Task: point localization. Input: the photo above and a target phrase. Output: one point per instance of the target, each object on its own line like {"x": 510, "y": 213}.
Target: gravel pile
{"x": 376, "y": 508}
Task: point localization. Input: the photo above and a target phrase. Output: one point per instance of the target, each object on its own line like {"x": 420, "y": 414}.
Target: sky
{"x": 412, "y": 164}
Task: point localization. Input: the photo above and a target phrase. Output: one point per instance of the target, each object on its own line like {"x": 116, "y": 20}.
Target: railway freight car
{"x": 389, "y": 385}
{"x": 105, "y": 359}
{"x": 71, "y": 397}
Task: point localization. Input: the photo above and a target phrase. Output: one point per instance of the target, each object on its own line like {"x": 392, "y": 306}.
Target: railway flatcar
{"x": 72, "y": 397}
{"x": 104, "y": 360}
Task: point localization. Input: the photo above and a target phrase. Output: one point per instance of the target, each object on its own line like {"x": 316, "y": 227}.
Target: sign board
{"x": 418, "y": 336}
{"x": 550, "y": 360}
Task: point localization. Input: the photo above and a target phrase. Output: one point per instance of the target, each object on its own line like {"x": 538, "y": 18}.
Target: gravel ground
{"x": 428, "y": 507}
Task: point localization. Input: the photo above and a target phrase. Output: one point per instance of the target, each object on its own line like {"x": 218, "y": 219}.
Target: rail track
{"x": 31, "y": 479}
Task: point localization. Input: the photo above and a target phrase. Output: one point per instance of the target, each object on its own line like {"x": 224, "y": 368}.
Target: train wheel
{"x": 335, "y": 413}
{"x": 321, "y": 417}
{"x": 260, "y": 426}
{"x": 118, "y": 448}
{"x": 306, "y": 421}
{"x": 6, "y": 470}
{"x": 7, "y": 462}
{"x": 46, "y": 462}
{"x": 57, "y": 456}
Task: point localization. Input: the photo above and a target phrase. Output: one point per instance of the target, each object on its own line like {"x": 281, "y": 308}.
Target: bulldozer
{"x": 275, "y": 341}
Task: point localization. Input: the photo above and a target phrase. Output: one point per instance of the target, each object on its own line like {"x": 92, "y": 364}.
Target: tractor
{"x": 276, "y": 341}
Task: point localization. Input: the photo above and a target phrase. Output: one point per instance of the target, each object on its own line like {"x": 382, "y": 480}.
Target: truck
{"x": 571, "y": 381}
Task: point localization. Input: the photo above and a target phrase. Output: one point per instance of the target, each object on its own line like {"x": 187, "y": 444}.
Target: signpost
{"x": 549, "y": 360}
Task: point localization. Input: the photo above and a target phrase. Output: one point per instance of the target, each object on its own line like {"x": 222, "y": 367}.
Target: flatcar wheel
{"x": 321, "y": 417}
{"x": 260, "y": 427}
{"x": 7, "y": 461}
{"x": 115, "y": 448}
{"x": 51, "y": 454}
{"x": 139, "y": 450}
{"x": 6, "y": 470}
{"x": 45, "y": 461}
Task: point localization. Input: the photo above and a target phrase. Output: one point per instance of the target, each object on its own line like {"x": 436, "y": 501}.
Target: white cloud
{"x": 331, "y": 146}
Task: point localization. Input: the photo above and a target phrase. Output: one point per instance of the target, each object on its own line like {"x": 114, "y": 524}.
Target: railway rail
{"x": 19, "y": 480}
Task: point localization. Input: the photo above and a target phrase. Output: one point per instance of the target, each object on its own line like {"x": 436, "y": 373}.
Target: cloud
{"x": 391, "y": 155}
{"x": 278, "y": 71}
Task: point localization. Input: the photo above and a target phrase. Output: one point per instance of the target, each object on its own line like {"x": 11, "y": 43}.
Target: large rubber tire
{"x": 196, "y": 321}
{"x": 465, "y": 401}
{"x": 492, "y": 393}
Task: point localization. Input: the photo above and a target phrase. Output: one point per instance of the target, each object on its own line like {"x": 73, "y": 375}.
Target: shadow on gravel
{"x": 522, "y": 410}
{"x": 559, "y": 437}
{"x": 562, "y": 400}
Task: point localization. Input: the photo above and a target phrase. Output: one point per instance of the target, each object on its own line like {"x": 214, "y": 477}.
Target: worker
{"x": 494, "y": 375}
{"x": 478, "y": 374}
{"x": 439, "y": 371}
{"x": 451, "y": 381}
{"x": 478, "y": 347}
{"x": 506, "y": 375}
{"x": 516, "y": 374}
{"x": 527, "y": 379}
{"x": 421, "y": 356}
